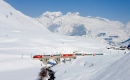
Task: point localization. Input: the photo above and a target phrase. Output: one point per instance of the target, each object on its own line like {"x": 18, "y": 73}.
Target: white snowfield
{"x": 105, "y": 67}
{"x": 21, "y": 37}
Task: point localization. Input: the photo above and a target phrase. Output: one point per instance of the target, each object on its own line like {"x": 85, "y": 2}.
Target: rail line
{"x": 57, "y": 57}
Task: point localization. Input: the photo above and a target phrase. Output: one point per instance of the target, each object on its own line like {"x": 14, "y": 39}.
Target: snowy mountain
{"x": 127, "y": 29}
{"x": 25, "y": 34}
{"x": 18, "y": 31}
{"x": 127, "y": 41}
{"x": 21, "y": 37}
{"x": 73, "y": 24}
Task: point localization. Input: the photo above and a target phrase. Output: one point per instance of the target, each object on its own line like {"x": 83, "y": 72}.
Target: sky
{"x": 118, "y": 10}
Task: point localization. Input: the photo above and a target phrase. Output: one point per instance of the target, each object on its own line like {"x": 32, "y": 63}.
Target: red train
{"x": 37, "y": 56}
{"x": 53, "y": 56}
{"x": 67, "y": 55}
{"x": 62, "y": 55}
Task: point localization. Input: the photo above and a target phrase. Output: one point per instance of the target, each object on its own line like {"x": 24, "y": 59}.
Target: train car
{"x": 80, "y": 54}
{"x": 67, "y": 55}
{"x": 55, "y": 55}
{"x": 38, "y": 57}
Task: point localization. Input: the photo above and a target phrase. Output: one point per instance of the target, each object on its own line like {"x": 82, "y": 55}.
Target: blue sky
{"x": 110, "y": 9}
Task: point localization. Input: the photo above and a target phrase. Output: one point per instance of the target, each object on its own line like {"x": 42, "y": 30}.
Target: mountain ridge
{"x": 91, "y": 27}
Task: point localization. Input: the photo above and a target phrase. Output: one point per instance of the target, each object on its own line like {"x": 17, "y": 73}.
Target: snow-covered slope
{"x": 75, "y": 25}
{"x": 90, "y": 68}
{"x": 120, "y": 70}
{"x": 127, "y": 41}
{"x": 18, "y": 31}
{"x": 24, "y": 34}
{"x": 127, "y": 29}
{"x": 21, "y": 37}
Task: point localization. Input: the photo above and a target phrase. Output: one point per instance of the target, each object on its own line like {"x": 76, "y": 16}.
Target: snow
{"x": 21, "y": 37}
{"x": 119, "y": 70}
{"x": 66, "y": 24}
{"x": 128, "y": 28}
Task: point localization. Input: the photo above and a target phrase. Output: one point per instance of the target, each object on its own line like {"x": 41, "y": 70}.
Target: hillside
{"x": 117, "y": 71}
{"x": 27, "y": 36}
{"x": 21, "y": 37}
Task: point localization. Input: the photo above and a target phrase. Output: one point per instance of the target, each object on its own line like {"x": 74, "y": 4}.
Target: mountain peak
{"x": 52, "y": 15}
{"x": 70, "y": 13}
{"x": 93, "y": 26}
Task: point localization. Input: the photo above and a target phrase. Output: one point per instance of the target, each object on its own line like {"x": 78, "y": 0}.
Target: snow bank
{"x": 120, "y": 70}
